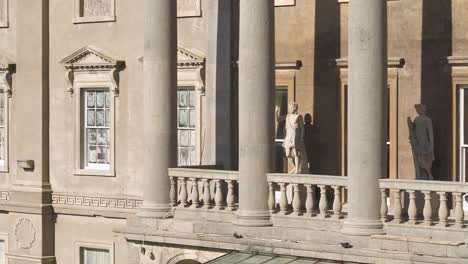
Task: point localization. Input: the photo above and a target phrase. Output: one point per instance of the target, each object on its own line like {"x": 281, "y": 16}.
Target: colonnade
{"x": 367, "y": 83}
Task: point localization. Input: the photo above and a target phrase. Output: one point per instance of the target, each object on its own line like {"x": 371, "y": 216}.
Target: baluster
{"x": 383, "y": 205}
{"x": 283, "y": 199}
{"x": 412, "y": 209}
{"x": 219, "y": 197}
{"x": 195, "y": 193}
{"x": 206, "y": 194}
{"x": 443, "y": 209}
{"x": 296, "y": 200}
{"x": 459, "y": 214}
{"x": 173, "y": 192}
{"x": 230, "y": 195}
{"x": 337, "y": 202}
{"x": 310, "y": 200}
{"x": 183, "y": 192}
{"x": 323, "y": 205}
{"x": 427, "y": 208}
{"x": 397, "y": 204}
{"x": 271, "y": 197}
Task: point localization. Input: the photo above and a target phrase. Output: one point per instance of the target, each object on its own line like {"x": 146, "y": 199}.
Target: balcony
{"x": 424, "y": 221}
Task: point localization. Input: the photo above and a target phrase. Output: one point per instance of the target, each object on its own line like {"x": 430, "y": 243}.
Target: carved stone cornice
{"x": 92, "y": 59}
{"x": 392, "y": 62}
{"x": 95, "y": 202}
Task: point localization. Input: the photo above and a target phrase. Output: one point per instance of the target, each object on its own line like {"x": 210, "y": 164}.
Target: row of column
{"x": 367, "y": 81}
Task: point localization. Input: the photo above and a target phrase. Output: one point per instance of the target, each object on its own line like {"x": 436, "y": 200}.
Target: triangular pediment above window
{"x": 187, "y": 58}
{"x": 89, "y": 57}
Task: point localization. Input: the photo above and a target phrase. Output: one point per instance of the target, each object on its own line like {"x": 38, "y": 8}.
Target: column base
{"x": 363, "y": 227}
{"x": 253, "y": 218}
{"x": 158, "y": 211}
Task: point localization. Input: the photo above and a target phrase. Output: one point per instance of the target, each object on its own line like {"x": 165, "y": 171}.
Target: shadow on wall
{"x": 324, "y": 155}
{"x": 435, "y": 81}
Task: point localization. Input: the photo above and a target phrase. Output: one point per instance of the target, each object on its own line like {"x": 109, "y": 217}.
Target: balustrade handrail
{"x": 308, "y": 179}
{"x": 423, "y": 185}
{"x": 204, "y": 174}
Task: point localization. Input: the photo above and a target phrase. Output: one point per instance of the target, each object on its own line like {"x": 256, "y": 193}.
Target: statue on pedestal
{"x": 294, "y": 140}
{"x": 421, "y": 137}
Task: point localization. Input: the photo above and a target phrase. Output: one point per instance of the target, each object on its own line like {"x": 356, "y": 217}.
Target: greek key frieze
{"x": 97, "y": 202}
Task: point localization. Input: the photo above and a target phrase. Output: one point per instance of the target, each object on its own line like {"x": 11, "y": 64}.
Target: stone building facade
{"x": 101, "y": 100}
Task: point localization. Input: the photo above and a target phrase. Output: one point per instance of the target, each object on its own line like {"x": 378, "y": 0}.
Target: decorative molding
{"x": 456, "y": 61}
{"x": 25, "y": 233}
{"x": 295, "y": 65}
{"x": 95, "y": 202}
{"x": 92, "y": 59}
{"x": 4, "y": 196}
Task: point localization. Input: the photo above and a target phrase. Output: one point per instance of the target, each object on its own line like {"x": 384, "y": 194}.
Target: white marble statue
{"x": 294, "y": 140}
{"x": 422, "y": 143}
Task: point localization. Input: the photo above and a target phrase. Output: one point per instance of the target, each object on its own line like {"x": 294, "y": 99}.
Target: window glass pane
{"x": 100, "y": 117}
{"x": 184, "y": 157}
{"x": 183, "y": 98}
{"x": 102, "y": 154}
{"x": 90, "y": 99}
{"x": 94, "y": 256}
{"x": 92, "y": 154}
{"x": 184, "y": 138}
{"x": 103, "y": 137}
{"x": 108, "y": 100}
{"x": 92, "y": 136}
{"x": 193, "y": 138}
{"x": 108, "y": 117}
{"x": 183, "y": 118}
{"x": 192, "y": 156}
{"x": 192, "y": 98}
{"x": 90, "y": 116}
{"x": 193, "y": 118}
{"x": 2, "y": 100}
{"x": 100, "y": 99}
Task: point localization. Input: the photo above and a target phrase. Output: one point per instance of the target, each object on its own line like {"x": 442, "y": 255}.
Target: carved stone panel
{"x": 25, "y": 233}
{"x": 96, "y": 8}
{"x": 285, "y": 2}
{"x": 188, "y": 8}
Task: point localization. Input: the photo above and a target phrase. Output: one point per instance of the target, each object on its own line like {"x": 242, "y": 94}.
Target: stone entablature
{"x": 95, "y": 202}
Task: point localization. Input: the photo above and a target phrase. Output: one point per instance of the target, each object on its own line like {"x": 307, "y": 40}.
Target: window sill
{"x": 4, "y": 25}
{"x": 97, "y": 173}
{"x": 84, "y": 20}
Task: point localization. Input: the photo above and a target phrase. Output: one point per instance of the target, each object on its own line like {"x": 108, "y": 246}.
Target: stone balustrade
{"x": 424, "y": 202}
{"x": 311, "y": 195}
{"x": 205, "y": 189}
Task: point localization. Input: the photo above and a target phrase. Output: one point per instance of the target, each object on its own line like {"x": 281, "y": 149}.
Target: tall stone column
{"x": 256, "y": 109}
{"x": 160, "y": 98}
{"x": 367, "y": 83}
{"x": 218, "y": 85}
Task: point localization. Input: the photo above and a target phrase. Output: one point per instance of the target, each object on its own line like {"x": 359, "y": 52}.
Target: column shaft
{"x": 160, "y": 95}
{"x": 367, "y": 83}
{"x": 256, "y": 110}
{"x": 218, "y": 85}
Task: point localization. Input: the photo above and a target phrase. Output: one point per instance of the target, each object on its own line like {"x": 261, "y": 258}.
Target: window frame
{"x": 85, "y": 81}
{"x": 192, "y": 90}
{"x": 6, "y": 71}
{"x": 4, "y": 237}
{"x": 78, "y": 19}
{"x": 94, "y": 245}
